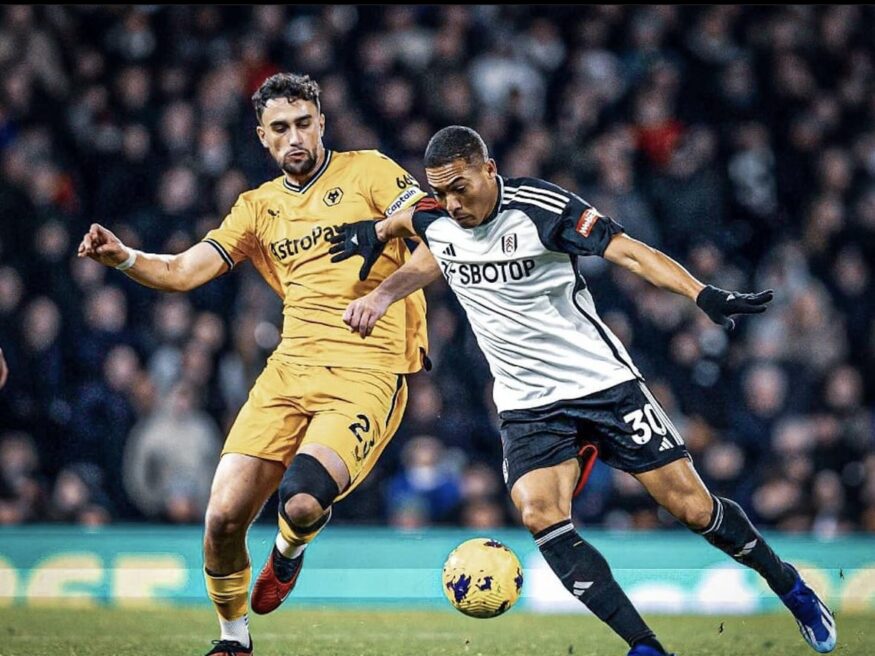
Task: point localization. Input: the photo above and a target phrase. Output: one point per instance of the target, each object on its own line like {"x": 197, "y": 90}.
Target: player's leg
{"x": 356, "y": 413}
{"x": 677, "y": 487}
{"x": 241, "y": 486}
{"x": 308, "y": 489}
{"x": 261, "y": 442}
{"x": 542, "y": 471}
{"x": 543, "y": 497}
{"x": 722, "y": 522}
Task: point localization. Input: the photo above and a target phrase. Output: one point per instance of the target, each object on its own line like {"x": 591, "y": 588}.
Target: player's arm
{"x": 397, "y": 226}
{"x": 654, "y": 266}
{"x": 580, "y": 229}
{"x": 660, "y": 270}
{"x": 368, "y": 238}
{"x": 418, "y": 272}
{"x": 173, "y": 273}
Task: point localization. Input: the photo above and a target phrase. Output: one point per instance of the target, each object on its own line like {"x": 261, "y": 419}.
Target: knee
{"x": 223, "y": 524}
{"x": 303, "y": 509}
{"x": 694, "y": 511}
{"x": 307, "y": 490}
{"x": 538, "y": 515}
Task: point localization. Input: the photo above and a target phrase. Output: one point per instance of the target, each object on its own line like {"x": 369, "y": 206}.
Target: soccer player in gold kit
{"x": 327, "y": 402}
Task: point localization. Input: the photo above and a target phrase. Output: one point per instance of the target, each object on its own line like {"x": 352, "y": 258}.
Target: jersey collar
{"x": 499, "y": 201}
{"x": 298, "y": 189}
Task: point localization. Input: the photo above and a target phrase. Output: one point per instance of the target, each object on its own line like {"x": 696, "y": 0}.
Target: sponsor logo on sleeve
{"x": 587, "y": 221}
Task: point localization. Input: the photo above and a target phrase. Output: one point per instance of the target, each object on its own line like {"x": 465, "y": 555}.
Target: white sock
{"x": 235, "y": 630}
{"x": 287, "y": 549}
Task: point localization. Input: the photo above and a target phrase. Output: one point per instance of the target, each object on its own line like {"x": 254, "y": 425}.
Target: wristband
{"x": 128, "y": 263}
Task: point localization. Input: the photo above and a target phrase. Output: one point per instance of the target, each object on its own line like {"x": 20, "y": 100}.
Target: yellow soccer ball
{"x": 482, "y": 578}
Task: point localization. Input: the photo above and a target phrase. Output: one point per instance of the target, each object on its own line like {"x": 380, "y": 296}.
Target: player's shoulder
{"x": 262, "y": 191}
{"x": 534, "y": 196}
{"x": 536, "y": 186}
{"x": 367, "y": 166}
{"x": 254, "y": 201}
{"x": 369, "y": 156}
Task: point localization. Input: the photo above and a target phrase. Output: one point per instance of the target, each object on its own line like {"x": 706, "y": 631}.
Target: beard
{"x": 302, "y": 167}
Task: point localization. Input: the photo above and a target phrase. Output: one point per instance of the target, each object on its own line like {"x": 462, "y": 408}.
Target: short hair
{"x": 452, "y": 143}
{"x": 286, "y": 85}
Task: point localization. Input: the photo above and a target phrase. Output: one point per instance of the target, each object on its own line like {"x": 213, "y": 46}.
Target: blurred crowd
{"x": 740, "y": 140}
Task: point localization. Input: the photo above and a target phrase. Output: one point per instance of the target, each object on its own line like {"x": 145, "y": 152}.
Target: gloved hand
{"x": 718, "y": 304}
{"x": 359, "y": 238}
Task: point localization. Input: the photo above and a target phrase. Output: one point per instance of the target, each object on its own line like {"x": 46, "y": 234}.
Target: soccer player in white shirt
{"x": 565, "y": 387}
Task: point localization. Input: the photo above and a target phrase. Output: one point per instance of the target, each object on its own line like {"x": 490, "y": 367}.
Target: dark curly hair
{"x": 452, "y": 143}
{"x": 286, "y": 85}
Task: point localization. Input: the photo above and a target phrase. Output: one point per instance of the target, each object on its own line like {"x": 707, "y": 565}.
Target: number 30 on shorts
{"x": 645, "y": 422}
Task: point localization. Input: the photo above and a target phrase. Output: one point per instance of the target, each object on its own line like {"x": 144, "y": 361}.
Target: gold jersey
{"x": 283, "y": 229}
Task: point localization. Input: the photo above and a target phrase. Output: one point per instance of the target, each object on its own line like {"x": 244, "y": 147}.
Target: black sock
{"x": 285, "y": 567}
{"x": 731, "y": 531}
{"x": 585, "y": 573}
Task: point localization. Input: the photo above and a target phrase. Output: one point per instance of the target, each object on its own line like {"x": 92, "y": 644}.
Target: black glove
{"x": 358, "y": 238}
{"x": 718, "y": 304}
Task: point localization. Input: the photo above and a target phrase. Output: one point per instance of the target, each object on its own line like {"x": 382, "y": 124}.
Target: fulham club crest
{"x": 508, "y": 244}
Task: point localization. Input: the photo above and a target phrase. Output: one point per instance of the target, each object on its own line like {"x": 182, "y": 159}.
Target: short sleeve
{"x": 426, "y": 212}
{"x": 566, "y": 223}
{"x": 584, "y": 230}
{"x": 233, "y": 239}
{"x": 392, "y": 188}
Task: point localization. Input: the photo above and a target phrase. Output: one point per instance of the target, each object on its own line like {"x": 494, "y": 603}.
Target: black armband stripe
{"x": 222, "y": 252}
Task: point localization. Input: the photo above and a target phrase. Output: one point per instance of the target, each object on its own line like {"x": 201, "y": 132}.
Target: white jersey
{"x": 516, "y": 277}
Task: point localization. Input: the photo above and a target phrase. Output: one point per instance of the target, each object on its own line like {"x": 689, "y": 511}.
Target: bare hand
{"x": 103, "y": 246}
{"x": 363, "y": 313}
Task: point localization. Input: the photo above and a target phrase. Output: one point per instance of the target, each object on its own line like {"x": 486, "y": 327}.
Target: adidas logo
{"x": 746, "y": 549}
{"x": 449, "y": 250}
{"x": 665, "y": 445}
{"x": 580, "y": 587}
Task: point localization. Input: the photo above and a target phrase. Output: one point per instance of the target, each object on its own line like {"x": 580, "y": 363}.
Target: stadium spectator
{"x": 170, "y": 457}
{"x": 78, "y": 496}
{"x": 427, "y": 481}
{"x": 22, "y": 489}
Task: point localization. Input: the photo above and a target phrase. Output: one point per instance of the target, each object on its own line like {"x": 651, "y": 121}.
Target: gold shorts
{"x": 354, "y": 412}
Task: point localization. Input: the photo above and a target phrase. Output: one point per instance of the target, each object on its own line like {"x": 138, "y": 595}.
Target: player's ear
{"x": 321, "y": 125}
{"x": 261, "y": 135}
{"x": 491, "y": 168}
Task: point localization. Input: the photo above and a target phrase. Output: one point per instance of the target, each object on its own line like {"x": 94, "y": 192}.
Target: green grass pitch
{"x": 309, "y": 632}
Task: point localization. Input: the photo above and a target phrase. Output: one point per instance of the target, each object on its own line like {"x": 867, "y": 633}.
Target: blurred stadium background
{"x": 740, "y": 140}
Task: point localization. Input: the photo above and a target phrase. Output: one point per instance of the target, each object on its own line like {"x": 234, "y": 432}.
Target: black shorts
{"x": 624, "y": 423}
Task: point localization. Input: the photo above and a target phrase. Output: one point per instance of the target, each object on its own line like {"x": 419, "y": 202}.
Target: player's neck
{"x": 493, "y": 205}
{"x": 301, "y": 180}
